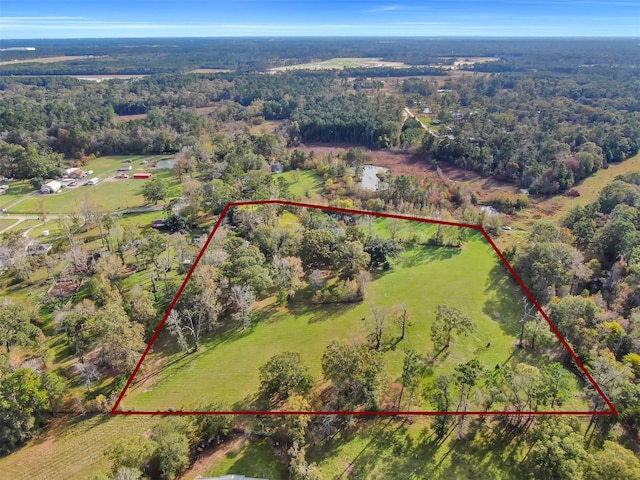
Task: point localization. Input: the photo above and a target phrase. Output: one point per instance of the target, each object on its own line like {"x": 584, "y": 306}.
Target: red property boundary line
{"x": 115, "y": 411}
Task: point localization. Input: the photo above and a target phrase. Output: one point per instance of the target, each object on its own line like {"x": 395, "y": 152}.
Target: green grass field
{"x": 253, "y": 458}
{"x": 73, "y": 447}
{"x": 423, "y": 277}
{"x": 308, "y": 186}
{"x": 6, "y": 223}
{"x": 17, "y": 189}
{"x": 111, "y": 195}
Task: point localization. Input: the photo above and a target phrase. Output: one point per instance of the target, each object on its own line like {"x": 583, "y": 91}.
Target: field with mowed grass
{"x": 17, "y": 190}
{"x": 554, "y": 208}
{"x": 226, "y": 367}
{"x": 108, "y": 193}
{"x": 303, "y": 184}
{"x": 72, "y": 447}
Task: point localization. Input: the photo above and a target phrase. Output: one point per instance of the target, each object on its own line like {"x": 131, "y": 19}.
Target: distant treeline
{"x": 179, "y": 55}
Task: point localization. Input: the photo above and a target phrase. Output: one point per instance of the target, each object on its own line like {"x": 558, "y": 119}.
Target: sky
{"x": 30, "y": 19}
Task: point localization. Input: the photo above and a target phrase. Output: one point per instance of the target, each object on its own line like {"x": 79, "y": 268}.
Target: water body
{"x": 370, "y": 180}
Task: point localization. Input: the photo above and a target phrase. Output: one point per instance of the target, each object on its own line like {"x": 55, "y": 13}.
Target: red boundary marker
{"x": 114, "y": 411}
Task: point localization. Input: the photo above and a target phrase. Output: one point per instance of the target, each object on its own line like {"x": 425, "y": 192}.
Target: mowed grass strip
{"x": 227, "y": 366}
{"x": 74, "y": 447}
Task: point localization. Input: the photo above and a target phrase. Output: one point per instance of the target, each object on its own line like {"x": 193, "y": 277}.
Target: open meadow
{"x": 421, "y": 278}
{"x": 109, "y": 193}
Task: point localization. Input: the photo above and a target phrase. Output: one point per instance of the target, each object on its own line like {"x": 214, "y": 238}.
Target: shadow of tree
{"x": 426, "y": 254}
{"x": 504, "y": 299}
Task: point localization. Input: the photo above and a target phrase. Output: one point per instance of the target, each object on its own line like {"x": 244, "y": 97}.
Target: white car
{"x": 506, "y": 227}
{"x": 4, "y": 187}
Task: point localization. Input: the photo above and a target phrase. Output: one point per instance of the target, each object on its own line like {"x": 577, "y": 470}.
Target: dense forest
{"x": 544, "y": 132}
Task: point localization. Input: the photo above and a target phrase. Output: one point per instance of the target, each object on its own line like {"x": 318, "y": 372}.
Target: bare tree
{"x": 403, "y": 319}
{"x": 362, "y": 279}
{"x": 315, "y": 280}
{"x": 242, "y": 298}
{"x": 288, "y": 274}
{"x": 529, "y": 313}
{"x": 175, "y": 329}
{"x": 88, "y": 373}
{"x": 379, "y": 319}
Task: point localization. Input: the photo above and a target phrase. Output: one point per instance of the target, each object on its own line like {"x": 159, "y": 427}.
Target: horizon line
{"x": 319, "y": 36}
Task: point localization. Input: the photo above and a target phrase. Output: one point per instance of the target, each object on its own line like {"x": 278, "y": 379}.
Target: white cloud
{"x": 391, "y": 8}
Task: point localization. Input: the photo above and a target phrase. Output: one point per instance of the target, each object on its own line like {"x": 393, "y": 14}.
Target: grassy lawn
{"x": 308, "y": 186}
{"x": 65, "y": 201}
{"x": 554, "y": 208}
{"x": 110, "y": 195}
{"x": 422, "y": 278}
{"x": 17, "y": 189}
{"x": 6, "y": 223}
{"x": 387, "y": 448}
{"x": 254, "y": 458}
{"x": 74, "y": 447}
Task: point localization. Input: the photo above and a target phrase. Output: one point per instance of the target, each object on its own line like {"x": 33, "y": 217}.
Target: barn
{"x": 51, "y": 187}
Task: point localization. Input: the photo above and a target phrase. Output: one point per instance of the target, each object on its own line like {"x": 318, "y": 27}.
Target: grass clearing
{"x": 72, "y": 447}
{"x": 340, "y": 63}
{"x": 113, "y": 195}
{"x": 423, "y": 277}
{"x": 309, "y": 184}
{"x": 17, "y": 189}
{"x": 554, "y": 208}
{"x": 7, "y": 222}
{"x": 62, "y": 58}
{"x": 253, "y": 458}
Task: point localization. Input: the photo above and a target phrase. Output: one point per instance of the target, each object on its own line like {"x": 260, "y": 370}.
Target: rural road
{"x": 408, "y": 112}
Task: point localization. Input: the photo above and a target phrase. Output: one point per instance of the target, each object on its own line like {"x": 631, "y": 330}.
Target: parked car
{"x": 506, "y": 227}
{"x": 4, "y": 187}
{"x": 158, "y": 224}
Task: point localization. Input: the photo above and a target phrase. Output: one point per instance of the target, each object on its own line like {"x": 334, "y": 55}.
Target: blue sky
{"x": 179, "y": 18}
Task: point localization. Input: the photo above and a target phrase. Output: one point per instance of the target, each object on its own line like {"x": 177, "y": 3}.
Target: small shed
{"x": 124, "y": 168}
{"x": 51, "y": 187}
{"x": 276, "y": 167}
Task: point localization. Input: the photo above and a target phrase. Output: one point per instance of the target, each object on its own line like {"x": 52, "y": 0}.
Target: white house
{"x": 51, "y": 187}
{"x": 71, "y": 170}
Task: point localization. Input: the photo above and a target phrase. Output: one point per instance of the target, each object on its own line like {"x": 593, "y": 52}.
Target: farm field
{"x": 73, "y": 447}
{"x": 65, "y": 58}
{"x": 421, "y": 278}
{"x": 340, "y": 63}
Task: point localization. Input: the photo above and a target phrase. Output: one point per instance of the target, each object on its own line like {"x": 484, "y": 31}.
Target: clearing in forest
{"x": 340, "y": 63}
{"x": 300, "y": 308}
